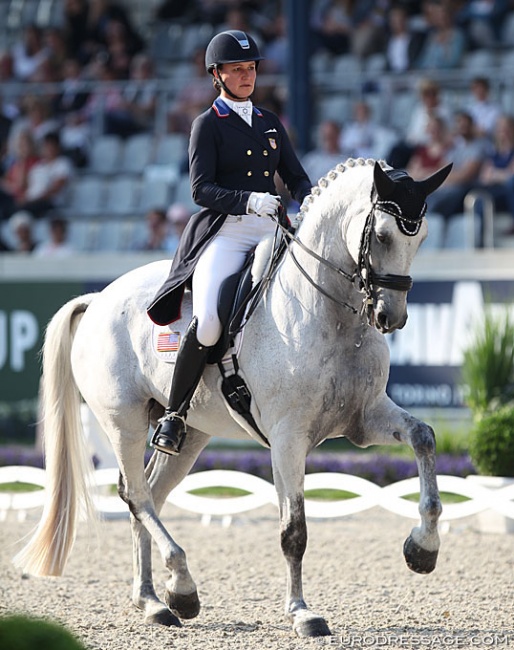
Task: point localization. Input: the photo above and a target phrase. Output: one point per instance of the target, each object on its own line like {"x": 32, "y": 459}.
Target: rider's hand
{"x": 263, "y": 204}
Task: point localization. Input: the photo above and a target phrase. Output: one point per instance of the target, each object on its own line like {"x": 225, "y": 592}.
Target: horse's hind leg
{"x": 387, "y": 424}
{"x": 127, "y": 429}
{"x": 163, "y": 472}
{"x": 288, "y": 460}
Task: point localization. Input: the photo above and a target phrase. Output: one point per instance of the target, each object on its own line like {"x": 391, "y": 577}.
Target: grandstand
{"x": 126, "y": 175}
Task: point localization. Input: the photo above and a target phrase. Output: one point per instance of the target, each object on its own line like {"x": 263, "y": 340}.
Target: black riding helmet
{"x": 232, "y": 46}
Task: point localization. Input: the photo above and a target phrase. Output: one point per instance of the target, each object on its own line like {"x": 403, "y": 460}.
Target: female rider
{"x": 235, "y": 149}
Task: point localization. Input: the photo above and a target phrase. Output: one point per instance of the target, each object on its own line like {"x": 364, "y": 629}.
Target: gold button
{"x": 248, "y": 173}
{"x": 265, "y": 152}
{"x": 266, "y": 173}
{"x": 249, "y": 152}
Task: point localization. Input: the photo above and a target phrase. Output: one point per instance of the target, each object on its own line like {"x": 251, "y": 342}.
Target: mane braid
{"x": 324, "y": 181}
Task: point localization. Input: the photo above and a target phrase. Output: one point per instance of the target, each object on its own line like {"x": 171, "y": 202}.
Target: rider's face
{"x": 239, "y": 78}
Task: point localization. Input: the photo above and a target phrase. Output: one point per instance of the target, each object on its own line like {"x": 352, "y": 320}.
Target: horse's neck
{"x": 323, "y": 237}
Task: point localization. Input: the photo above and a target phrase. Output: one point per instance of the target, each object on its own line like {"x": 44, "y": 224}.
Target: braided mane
{"x": 334, "y": 173}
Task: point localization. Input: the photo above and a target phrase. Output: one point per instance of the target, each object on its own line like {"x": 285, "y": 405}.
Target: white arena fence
{"x": 261, "y": 493}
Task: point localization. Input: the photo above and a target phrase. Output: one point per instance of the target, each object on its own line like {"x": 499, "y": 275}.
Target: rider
{"x": 235, "y": 149}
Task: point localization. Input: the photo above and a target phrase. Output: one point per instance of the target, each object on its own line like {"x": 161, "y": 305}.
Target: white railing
{"x": 261, "y": 493}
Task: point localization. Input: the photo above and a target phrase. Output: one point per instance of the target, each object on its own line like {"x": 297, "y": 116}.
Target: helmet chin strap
{"x": 225, "y": 87}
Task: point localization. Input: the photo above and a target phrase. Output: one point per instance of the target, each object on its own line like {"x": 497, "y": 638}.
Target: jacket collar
{"x": 222, "y": 109}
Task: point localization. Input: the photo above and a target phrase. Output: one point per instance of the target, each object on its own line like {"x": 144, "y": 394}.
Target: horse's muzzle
{"x": 385, "y": 320}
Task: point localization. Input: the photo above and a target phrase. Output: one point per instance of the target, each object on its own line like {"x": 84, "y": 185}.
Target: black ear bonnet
{"x": 406, "y": 202}
{"x": 396, "y": 193}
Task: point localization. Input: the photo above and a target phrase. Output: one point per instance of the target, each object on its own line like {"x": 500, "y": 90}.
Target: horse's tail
{"x": 68, "y": 467}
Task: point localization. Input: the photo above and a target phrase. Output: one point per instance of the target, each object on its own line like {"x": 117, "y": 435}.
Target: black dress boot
{"x": 189, "y": 367}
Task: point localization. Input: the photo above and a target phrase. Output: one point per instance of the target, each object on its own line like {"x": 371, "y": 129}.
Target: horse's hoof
{"x": 183, "y": 605}
{"x": 163, "y": 617}
{"x": 312, "y": 627}
{"x": 419, "y": 559}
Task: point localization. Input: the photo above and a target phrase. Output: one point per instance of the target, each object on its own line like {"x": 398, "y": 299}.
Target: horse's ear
{"x": 431, "y": 183}
{"x": 383, "y": 184}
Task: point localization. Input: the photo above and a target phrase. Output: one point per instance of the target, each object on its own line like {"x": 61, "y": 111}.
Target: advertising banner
{"x": 426, "y": 354}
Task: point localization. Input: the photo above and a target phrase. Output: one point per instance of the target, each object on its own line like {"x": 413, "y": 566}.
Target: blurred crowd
{"x": 102, "y": 70}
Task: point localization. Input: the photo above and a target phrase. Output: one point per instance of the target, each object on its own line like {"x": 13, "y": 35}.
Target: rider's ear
{"x": 431, "y": 183}
{"x": 383, "y": 184}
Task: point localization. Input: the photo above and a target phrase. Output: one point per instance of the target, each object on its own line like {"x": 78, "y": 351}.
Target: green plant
{"x": 492, "y": 443}
{"x": 488, "y": 366}
{"x": 19, "y": 632}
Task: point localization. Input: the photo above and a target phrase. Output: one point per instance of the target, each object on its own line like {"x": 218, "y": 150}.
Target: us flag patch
{"x": 168, "y": 341}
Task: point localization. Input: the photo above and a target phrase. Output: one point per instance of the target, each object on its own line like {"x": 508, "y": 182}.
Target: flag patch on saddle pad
{"x": 168, "y": 342}
{"x": 165, "y": 343}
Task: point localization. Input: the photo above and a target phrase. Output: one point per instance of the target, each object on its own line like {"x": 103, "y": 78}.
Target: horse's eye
{"x": 382, "y": 237}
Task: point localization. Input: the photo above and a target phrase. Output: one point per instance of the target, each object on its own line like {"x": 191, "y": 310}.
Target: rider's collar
{"x": 223, "y": 109}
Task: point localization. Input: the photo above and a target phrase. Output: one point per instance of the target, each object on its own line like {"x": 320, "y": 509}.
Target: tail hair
{"x": 68, "y": 465}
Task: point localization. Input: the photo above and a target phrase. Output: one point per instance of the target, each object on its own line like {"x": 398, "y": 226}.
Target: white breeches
{"x": 224, "y": 256}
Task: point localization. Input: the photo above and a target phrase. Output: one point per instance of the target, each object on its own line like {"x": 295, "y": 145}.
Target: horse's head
{"x": 392, "y": 234}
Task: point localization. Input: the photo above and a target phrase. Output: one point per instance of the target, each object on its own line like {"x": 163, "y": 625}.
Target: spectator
{"x": 68, "y": 107}
{"x": 120, "y": 48}
{"x": 157, "y": 231}
{"x": 28, "y": 53}
{"x": 328, "y": 152}
{"x": 466, "y": 154}
{"x": 196, "y": 95}
{"x": 482, "y": 20}
{"x": 35, "y": 117}
{"x": 6, "y": 65}
{"x": 332, "y": 25}
{"x": 57, "y": 245}
{"x": 57, "y": 48}
{"x": 364, "y": 137}
{"x": 497, "y": 173}
{"x": 165, "y": 227}
{"x": 430, "y": 156}
{"x": 276, "y": 51}
{"x": 177, "y": 215}
{"x": 107, "y": 103}
{"x": 48, "y": 180}
{"x": 76, "y": 29}
{"x": 40, "y": 119}
{"x": 403, "y": 44}
{"x": 429, "y": 104}
{"x": 13, "y": 184}
{"x": 21, "y": 224}
{"x": 347, "y": 26}
{"x": 140, "y": 93}
{"x": 445, "y": 44}
{"x": 484, "y": 111}
{"x": 101, "y": 14}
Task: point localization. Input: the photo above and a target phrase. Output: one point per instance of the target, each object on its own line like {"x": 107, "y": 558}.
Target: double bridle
{"x": 364, "y": 278}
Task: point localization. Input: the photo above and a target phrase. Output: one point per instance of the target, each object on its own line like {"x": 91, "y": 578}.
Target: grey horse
{"x": 313, "y": 355}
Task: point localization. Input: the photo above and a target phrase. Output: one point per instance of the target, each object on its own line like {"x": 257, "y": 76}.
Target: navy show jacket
{"x": 228, "y": 160}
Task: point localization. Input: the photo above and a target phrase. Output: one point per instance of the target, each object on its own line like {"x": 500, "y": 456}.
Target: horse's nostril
{"x": 382, "y": 320}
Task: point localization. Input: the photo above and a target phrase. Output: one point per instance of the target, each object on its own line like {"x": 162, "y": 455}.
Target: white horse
{"x": 313, "y": 355}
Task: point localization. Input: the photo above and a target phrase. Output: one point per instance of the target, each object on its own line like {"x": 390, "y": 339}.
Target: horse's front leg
{"x": 288, "y": 461}
{"x": 422, "y": 546}
{"x": 386, "y": 423}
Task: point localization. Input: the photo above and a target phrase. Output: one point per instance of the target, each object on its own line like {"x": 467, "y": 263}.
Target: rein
{"x": 364, "y": 272}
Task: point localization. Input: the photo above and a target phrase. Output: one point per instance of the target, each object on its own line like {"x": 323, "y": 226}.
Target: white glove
{"x": 263, "y": 204}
